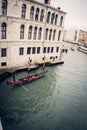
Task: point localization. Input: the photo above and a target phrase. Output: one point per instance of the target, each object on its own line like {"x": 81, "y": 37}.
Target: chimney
{"x": 47, "y": 2}
{"x": 59, "y": 8}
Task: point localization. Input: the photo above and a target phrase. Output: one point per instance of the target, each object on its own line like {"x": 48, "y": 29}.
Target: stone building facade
{"x": 82, "y": 39}
{"x": 29, "y": 28}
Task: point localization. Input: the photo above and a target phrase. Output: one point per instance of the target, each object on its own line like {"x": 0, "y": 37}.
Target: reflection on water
{"x": 56, "y": 102}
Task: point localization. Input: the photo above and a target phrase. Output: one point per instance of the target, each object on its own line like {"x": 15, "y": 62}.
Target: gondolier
{"x": 29, "y": 64}
{"x": 43, "y": 66}
{"x": 43, "y": 62}
{"x": 13, "y": 74}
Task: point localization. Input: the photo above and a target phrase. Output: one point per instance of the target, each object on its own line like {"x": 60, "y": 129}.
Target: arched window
{"x": 46, "y": 34}
{"x": 3, "y": 29}
{"x": 54, "y": 33}
{"x": 38, "y": 50}
{"x": 23, "y": 12}
{"x": 59, "y": 35}
{"x": 32, "y": 13}
{"x": 37, "y": 14}
{"x": 52, "y": 18}
{"x": 22, "y": 32}
{"x": 50, "y": 34}
{"x": 56, "y": 19}
{"x": 61, "y": 20}
{"x": 4, "y": 7}
{"x": 40, "y": 32}
{"x": 35, "y": 33}
{"x": 3, "y": 52}
{"x": 44, "y": 49}
{"x": 48, "y": 17}
{"x": 75, "y": 37}
{"x": 42, "y": 15}
{"x": 30, "y": 32}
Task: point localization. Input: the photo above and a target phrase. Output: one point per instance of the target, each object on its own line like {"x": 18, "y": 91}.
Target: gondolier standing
{"x": 43, "y": 66}
{"x": 44, "y": 62}
{"x": 29, "y": 64}
{"x": 13, "y": 76}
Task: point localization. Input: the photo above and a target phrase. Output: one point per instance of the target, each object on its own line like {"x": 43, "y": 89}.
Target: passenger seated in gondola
{"x": 26, "y": 78}
{"x": 37, "y": 76}
{"x": 30, "y": 78}
{"x": 33, "y": 77}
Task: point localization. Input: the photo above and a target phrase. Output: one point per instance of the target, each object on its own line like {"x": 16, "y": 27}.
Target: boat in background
{"x": 27, "y": 79}
{"x": 82, "y": 49}
{"x": 72, "y": 49}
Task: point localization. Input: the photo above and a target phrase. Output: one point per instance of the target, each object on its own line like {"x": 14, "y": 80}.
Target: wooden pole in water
{"x": 24, "y": 87}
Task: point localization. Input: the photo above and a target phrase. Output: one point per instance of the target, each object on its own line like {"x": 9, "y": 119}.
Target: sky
{"x": 76, "y": 17}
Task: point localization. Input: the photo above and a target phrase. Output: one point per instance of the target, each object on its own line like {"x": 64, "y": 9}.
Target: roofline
{"x": 48, "y": 6}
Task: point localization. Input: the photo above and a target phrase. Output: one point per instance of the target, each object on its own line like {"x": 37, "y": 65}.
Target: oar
{"x": 23, "y": 87}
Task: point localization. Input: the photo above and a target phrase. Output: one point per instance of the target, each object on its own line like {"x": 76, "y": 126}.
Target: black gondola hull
{"x": 26, "y": 79}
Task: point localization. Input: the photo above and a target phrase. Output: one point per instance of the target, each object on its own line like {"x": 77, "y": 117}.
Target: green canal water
{"x": 57, "y": 101}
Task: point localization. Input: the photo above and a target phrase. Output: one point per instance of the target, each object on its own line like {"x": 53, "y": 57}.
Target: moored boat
{"x": 27, "y": 79}
{"x": 72, "y": 49}
{"x": 82, "y": 49}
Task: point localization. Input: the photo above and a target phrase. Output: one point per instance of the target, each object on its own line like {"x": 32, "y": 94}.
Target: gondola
{"x": 27, "y": 79}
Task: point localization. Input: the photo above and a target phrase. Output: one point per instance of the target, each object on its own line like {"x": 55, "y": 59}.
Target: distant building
{"x": 71, "y": 35}
{"x": 29, "y": 28}
{"x": 75, "y": 36}
{"x": 82, "y": 39}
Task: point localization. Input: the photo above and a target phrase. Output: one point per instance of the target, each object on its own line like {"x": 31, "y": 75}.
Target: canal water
{"x": 57, "y": 101}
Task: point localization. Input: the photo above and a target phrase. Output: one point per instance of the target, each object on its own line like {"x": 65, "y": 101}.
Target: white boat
{"x": 1, "y": 125}
{"x": 82, "y": 49}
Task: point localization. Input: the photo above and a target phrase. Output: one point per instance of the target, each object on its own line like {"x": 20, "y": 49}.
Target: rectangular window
{"x": 33, "y": 50}
{"x": 44, "y": 50}
{"x": 29, "y": 50}
{"x": 21, "y": 51}
{"x": 38, "y": 49}
{"x": 46, "y": 1}
{"x": 3, "y": 64}
{"x": 57, "y": 49}
{"x": 52, "y": 49}
{"x": 48, "y": 50}
{"x": 3, "y": 52}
